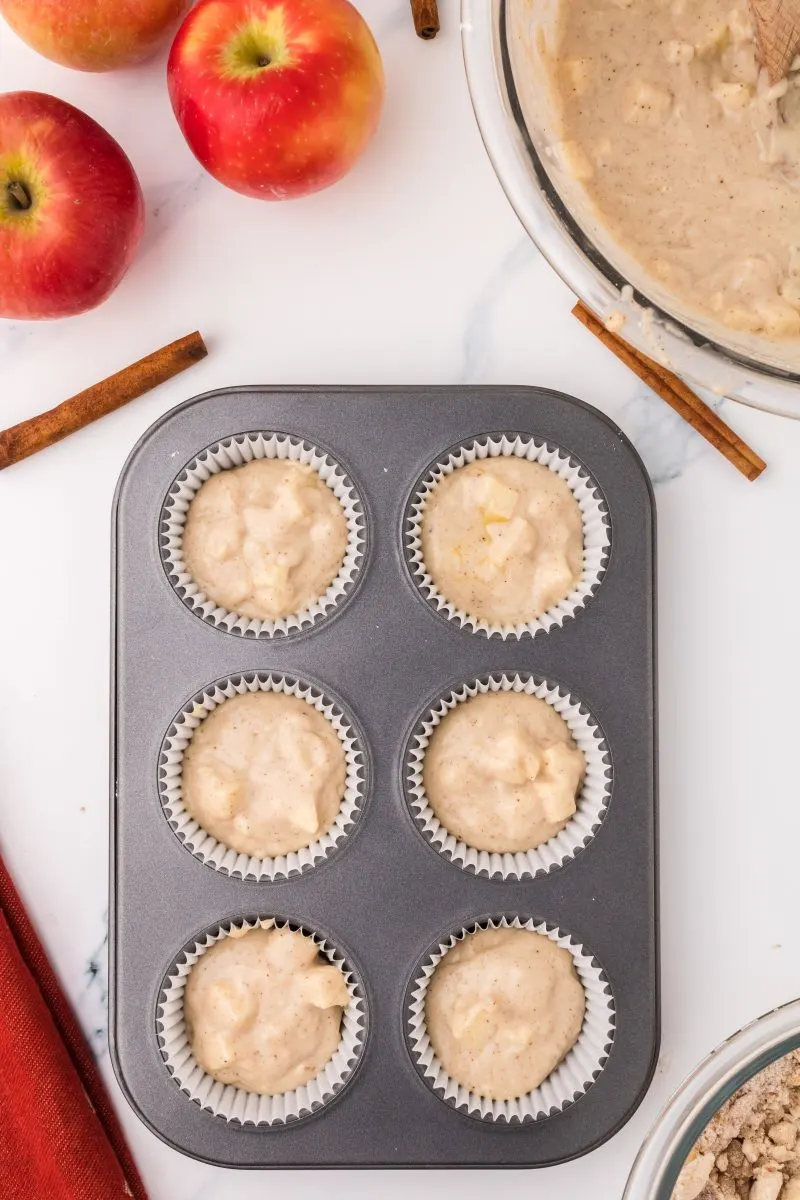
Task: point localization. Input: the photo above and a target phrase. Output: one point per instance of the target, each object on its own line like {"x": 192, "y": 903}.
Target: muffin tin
{"x": 384, "y": 898}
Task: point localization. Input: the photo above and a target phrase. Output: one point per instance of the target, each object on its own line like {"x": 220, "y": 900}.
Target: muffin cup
{"x": 233, "y": 1103}
{"x": 236, "y": 452}
{"x": 207, "y": 848}
{"x": 594, "y": 513}
{"x": 566, "y": 1084}
{"x": 592, "y": 800}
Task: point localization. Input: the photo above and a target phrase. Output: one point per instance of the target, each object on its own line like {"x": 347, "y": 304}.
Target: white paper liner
{"x": 596, "y": 530}
{"x": 201, "y": 843}
{"x": 567, "y": 1083}
{"x": 233, "y": 1103}
{"x": 235, "y": 452}
{"x": 592, "y": 800}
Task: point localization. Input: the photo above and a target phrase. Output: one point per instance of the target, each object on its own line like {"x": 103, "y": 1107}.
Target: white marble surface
{"x": 413, "y": 270}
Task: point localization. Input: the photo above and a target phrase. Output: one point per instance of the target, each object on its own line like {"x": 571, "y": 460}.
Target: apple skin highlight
{"x": 276, "y": 98}
{"x": 71, "y": 209}
{"x": 94, "y": 35}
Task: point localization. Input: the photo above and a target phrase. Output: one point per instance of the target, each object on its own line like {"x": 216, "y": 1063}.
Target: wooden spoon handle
{"x": 777, "y": 24}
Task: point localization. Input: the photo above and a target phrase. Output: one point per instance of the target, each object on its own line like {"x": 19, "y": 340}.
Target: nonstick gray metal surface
{"x": 385, "y": 897}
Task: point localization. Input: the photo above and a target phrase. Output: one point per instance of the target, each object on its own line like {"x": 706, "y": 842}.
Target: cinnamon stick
{"x": 426, "y": 18}
{"x": 678, "y": 396}
{"x": 106, "y": 397}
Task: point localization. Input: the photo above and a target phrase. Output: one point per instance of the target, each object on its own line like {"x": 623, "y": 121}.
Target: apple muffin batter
{"x": 502, "y": 772}
{"x": 265, "y": 540}
{"x": 265, "y": 773}
{"x": 502, "y": 539}
{"x": 504, "y": 1008}
{"x": 689, "y": 157}
{"x": 263, "y": 1010}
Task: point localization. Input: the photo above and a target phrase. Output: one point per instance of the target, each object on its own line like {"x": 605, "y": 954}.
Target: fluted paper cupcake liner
{"x": 594, "y": 514}
{"x": 207, "y": 848}
{"x": 233, "y": 1103}
{"x": 567, "y": 1083}
{"x": 592, "y": 799}
{"x": 236, "y": 452}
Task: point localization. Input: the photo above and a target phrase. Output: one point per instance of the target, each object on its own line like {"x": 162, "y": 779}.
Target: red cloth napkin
{"x": 59, "y": 1135}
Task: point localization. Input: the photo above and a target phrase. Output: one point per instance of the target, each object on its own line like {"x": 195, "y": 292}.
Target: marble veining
{"x": 94, "y": 1002}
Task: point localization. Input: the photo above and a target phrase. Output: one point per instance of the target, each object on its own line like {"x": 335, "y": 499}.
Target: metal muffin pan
{"x": 386, "y": 896}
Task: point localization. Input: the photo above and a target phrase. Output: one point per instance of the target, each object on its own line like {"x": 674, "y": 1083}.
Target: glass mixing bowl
{"x": 667, "y": 1147}
{"x": 506, "y": 43}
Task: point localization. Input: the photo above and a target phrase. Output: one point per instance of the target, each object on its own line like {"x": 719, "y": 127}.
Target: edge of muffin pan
{"x": 583, "y": 1064}
{"x": 236, "y": 451}
{"x": 593, "y": 799}
{"x": 213, "y": 853}
{"x": 597, "y": 533}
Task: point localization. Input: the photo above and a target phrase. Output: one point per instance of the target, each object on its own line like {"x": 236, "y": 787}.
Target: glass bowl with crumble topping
{"x": 732, "y": 1130}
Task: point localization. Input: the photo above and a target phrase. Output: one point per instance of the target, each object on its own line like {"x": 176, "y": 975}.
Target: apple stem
{"x": 20, "y": 196}
{"x": 263, "y": 60}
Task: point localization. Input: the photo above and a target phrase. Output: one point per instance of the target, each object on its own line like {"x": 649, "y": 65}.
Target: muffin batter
{"x": 502, "y": 772}
{"x": 502, "y": 539}
{"x": 264, "y": 1010}
{"x": 264, "y": 773}
{"x": 504, "y": 1007}
{"x": 690, "y": 158}
{"x": 265, "y": 540}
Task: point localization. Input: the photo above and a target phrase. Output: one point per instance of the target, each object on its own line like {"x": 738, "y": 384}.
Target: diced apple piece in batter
{"x": 741, "y": 25}
{"x": 309, "y": 750}
{"x": 511, "y": 758}
{"x": 222, "y": 538}
{"x": 290, "y": 504}
{"x": 466, "y": 1020}
{"x": 554, "y": 577}
{"x": 575, "y": 159}
{"x": 304, "y": 811}
{"x": 647, "y": 105}
{"x": 231, "y": 1003}
{"x": 578, "y": 72}
{"x": 324, "y": 987}
{"x": 496, "y": 501}
{"x": 514, "y": 537}
{"x": 678, "y": 54}
{"x": 322, "y": 528}
{"x": 779, "y": 319}
{"x": 221, "y": 791}
{"x": 270, "y": 579}
{"x": 218, "y": 1051}
{"x": 733, "y": 98}
{"x": 713, "y": 36}
{"x": 559, "y": 781}
{"x": 259, "y": 524}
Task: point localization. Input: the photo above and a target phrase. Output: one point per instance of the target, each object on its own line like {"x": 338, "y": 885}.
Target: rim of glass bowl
{"x": 567, "y": 248}
{"x": 703, "y": 1093}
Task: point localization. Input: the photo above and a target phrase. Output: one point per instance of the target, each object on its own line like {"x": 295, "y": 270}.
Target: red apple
{"x": 276, "y": 98}
{"x": 71, "y": 209}
{"x": 94, "y": 35}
